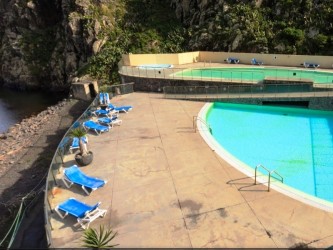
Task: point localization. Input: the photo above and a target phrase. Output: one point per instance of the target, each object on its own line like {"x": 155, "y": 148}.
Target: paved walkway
{"x": 167, "y": 188}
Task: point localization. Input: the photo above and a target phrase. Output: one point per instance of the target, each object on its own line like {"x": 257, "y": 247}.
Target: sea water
{"x": 15, "y": 106}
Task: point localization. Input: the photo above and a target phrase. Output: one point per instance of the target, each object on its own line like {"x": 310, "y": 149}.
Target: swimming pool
{"x": 252, "y": 74}
{"x": 297, "y": 143}
{"x": 155, "y": 66}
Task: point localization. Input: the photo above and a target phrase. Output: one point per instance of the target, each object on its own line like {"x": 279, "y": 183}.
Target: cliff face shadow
{"x": 29, "y": 172}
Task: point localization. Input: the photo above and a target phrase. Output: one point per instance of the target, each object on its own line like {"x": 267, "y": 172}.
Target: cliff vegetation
{"x": 47, "y": 44}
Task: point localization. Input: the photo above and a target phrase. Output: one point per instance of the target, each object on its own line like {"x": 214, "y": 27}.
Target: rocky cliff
{"x": 47, "y": 43}
{"x": 44, "y": 43}
{"x": 262, "y": 26}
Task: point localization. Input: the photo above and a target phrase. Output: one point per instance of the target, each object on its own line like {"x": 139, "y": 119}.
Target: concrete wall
{"x": 220, "y": 57}
{"x": 139, "y": 59}
{"x": 268, "y": 59}
{"x": 82, "y": 90}
{"x": 189, "y": 57}
{"x": 175, "y": 59}
{"x": 157, "y": 84}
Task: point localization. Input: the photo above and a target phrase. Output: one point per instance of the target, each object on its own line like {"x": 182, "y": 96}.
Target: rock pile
{"x": 26, "y": 151}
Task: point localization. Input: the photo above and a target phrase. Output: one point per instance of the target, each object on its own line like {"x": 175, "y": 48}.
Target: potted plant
{"x": 84, "y": 157}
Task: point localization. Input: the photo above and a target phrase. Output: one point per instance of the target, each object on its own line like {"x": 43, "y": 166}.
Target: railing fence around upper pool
{"x": 243, "y": 75}
{"x": 246, "y": 91}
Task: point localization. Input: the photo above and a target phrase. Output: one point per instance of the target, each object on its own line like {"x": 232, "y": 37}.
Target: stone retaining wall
{"x": 156, "y": 85}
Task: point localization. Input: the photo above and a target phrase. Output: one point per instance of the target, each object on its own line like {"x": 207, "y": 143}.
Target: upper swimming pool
{"x": 155, "y": 66}
{"x": 297, "y": 143}
{"x": 252, "y": 74}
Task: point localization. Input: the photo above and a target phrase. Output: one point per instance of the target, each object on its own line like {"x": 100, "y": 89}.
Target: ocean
{"x": 16, "y": 106}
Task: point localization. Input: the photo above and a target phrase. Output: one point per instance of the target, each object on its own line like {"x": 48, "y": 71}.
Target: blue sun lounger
{"x": 101, "y": 99}
{"x": 73, "y": 175}
{"x": 84, "y": 213}
{"x": 232, "y": 60}
{"x": 120, "y": 108}
{"x": 256, "y": 62}
{"x": 110, "y": 121}
{"x": 91, "y": 125}
{"x": 75, "y": 143}
{"x": 106, "y": 98}
{"x": 115, "y": 108}
{"x": 103, "y": 112}
{"x": 311, "y": 65}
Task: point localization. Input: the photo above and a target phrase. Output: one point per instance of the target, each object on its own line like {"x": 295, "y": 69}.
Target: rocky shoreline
{"x": 23, "y": 135}
{"x": 26, "y": 151}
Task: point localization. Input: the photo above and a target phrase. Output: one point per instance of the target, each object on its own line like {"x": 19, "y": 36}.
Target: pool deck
{"x": 167, "y": 188}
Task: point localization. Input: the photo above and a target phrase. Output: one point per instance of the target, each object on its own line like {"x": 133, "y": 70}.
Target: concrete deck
{"x": 167, "y": 188}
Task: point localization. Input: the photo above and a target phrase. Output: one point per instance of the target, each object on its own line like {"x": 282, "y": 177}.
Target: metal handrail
{"x": 195, "y": 118}
{"x": 119, "y": 89}
{"x": 270, "y": 172}
{"x": 254, "y": 88}
{"x": 247, "y": 95}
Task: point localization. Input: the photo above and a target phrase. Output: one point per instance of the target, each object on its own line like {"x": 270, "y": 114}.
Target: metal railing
{"x": 270, "y": 172}
{"x": 246, "y": 91}
{"x": 197, "y": 118}
{"x": 56, "y": 164}
{"x": 119, "y": 89}
{"x": 63, "y": 149}
{"x": 246, "y": 75}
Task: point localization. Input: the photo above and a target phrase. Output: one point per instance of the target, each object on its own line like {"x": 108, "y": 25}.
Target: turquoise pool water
{"x": 258, "y": 74}
{"x": 297, "y": 143}
{"x": 155, "y": 66}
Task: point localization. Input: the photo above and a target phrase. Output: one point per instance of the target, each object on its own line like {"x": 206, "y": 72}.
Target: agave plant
{"x": 80, "y": 133}
{"x": 101, "y": 238}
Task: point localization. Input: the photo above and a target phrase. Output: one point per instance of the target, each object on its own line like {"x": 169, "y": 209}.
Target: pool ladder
{"x": 270, "y": 172}
{"x": 196, "y": 118}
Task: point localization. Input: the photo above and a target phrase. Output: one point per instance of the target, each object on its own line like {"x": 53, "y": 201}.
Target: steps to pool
{"x": 322, "y": 151}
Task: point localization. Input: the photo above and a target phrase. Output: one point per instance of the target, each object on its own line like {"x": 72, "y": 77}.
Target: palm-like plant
{"x": 99, "y": 239}
{"x": 80, "y": 133}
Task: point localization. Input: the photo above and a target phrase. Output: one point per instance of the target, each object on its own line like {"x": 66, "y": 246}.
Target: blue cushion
{"x": 76, "y": 208}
